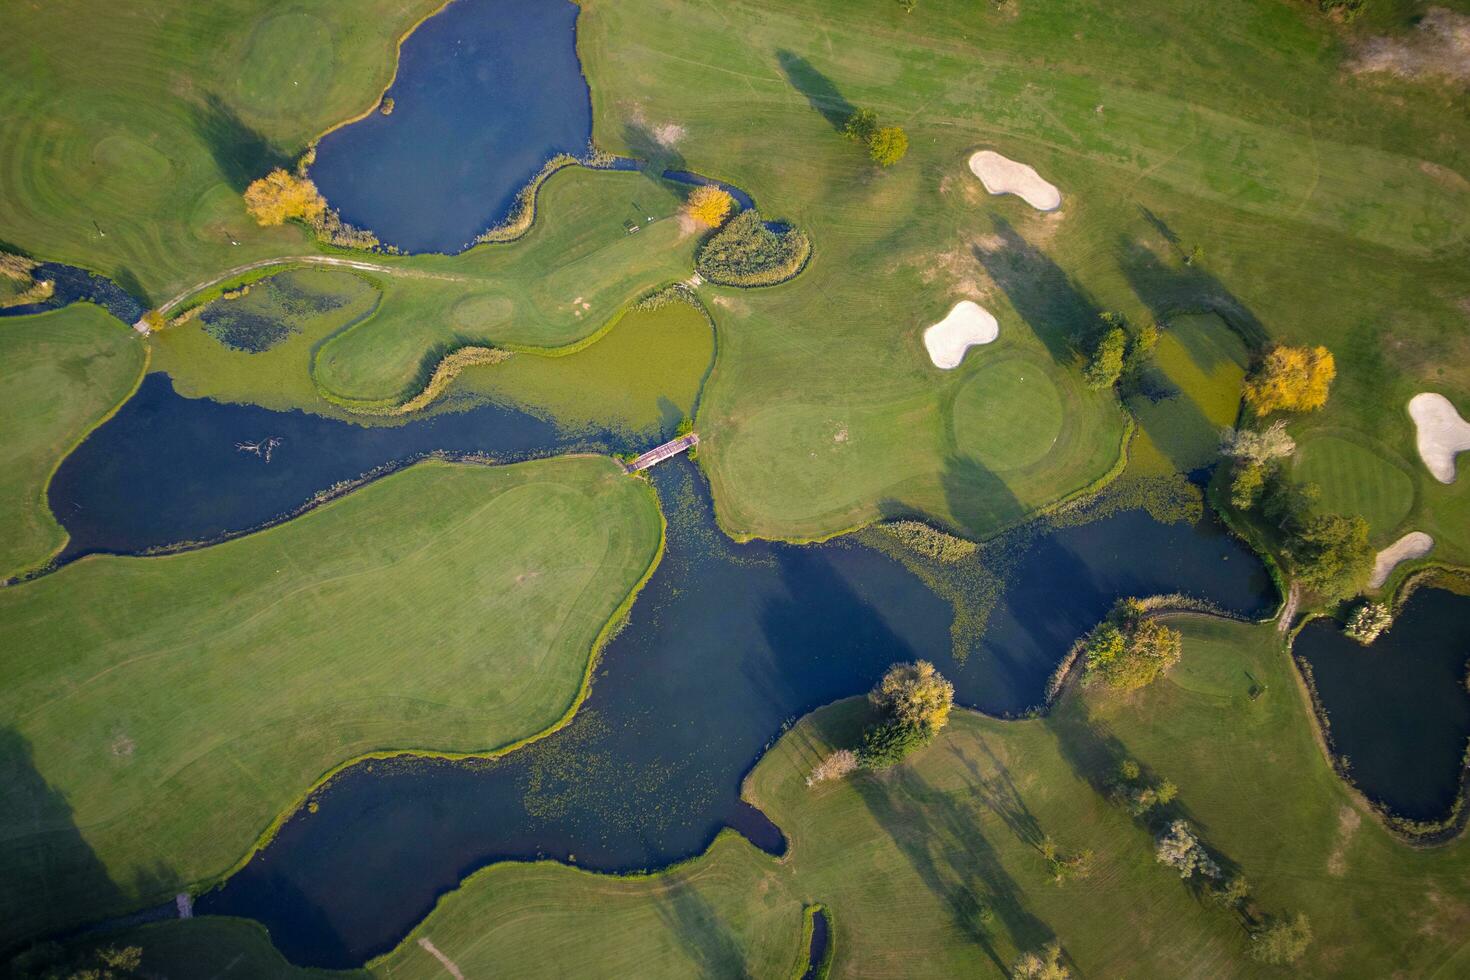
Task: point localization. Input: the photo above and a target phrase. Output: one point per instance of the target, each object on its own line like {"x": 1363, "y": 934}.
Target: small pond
{"x": 73, "y": 285}
{"x": 1399, "y": 709}
{"x": 486, "y": 92}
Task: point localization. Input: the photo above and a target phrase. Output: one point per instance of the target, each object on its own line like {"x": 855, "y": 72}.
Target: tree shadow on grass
{"x": 978, "y": 498}
{"x": 240, "y": 153}
{"x": 49, "y": 865}
{"x": 1167, "y": 289}
{"x": 702, "y": 933}
{"x": 819, "y": 91}
{"x": 1051, "y": 303}
{"x": 940, "y": 837}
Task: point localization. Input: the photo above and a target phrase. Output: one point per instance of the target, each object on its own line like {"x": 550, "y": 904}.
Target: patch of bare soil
{"x": 122, "y": 746}
{"x": 1348, "y": 820}
{"x": 1439, "y": 46}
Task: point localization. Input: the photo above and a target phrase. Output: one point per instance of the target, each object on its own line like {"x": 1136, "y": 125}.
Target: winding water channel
{"x": 727, "y": 644}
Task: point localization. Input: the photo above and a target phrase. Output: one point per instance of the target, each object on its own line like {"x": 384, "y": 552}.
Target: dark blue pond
{"x": 167, "y": 469}
{"x": 486, "y": 92}
{"x": 1399, "y": 710}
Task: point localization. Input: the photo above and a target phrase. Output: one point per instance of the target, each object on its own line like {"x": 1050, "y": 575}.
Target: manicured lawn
{"x": 1356, "y": 480}
{"x": 63, "y": 373}
{"x": 159, "y": 713}
{"x": 1008, "y": 415}
{"x": 906, "y": 860}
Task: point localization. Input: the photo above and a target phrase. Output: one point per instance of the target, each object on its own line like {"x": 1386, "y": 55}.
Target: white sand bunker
{"x": 1442, "y": 433}
{"x": 966, "y": 326}
{"x": 1415, "y": 544}
{"x": 1002, "y": 175}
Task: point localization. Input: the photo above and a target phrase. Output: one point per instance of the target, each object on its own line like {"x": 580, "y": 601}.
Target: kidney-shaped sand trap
{"x": 1002, "y": 175}
{"x": 1442, "y": 433}
{"x": 1415, "y": 544}
{"x": 966, "y": 326}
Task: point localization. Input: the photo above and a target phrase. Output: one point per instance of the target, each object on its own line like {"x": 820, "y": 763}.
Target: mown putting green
{"x": 1355, "y": 480}
{"x": 1008, "y": 415}
{"x": 64, "y": 372}
{"x": 909, "y": 861}
{"x": 159, "y": 713}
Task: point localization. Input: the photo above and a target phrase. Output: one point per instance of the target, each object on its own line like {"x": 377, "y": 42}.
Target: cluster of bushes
{"x": 748, "y": 253}
{"x": 1328, "y": 553}
{"x": 1120, "y": 351}
{"x": 886, "y": 144}
{"x": 1130, "y": 648}
{"x": 913, "y": 702}
{"x": 930, "y": 542}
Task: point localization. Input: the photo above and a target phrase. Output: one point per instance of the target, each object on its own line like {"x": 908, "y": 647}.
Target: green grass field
{"x": 906, "y": 860}
{"x": 64, "y": 372}
{"x": 161, "y": 712}
{"x": 1355, "y": 479}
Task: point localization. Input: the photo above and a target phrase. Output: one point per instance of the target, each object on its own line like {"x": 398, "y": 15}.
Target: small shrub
{"x": 387, "y": 105}
{"x": 1368, "y": 622}
{"x": 834, "y": 766}
{"x": 747, "y": 253}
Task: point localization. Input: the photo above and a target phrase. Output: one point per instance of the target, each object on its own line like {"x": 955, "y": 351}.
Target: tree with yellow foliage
{"x": 709, "y": 205}
{"x": 280, "y": 196}
{"x": 915, "y": 694}
{"x": 1294, "y": 379}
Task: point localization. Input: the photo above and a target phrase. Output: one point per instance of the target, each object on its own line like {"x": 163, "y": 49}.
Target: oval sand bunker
{"x": 1415, "y": 544}
{"x": 1002, "y": 175}
{"x": 966, "y": 326}
{"x": 1442, "y": 434}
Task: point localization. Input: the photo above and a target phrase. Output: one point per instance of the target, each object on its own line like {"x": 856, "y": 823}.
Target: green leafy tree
{"x": 1282, "y": 940}
{"x": 1130, "y": 649}
{"x": 1330, "y": 554}
{"x": 888, "y": 145}
{"x": 915, "y": 694}
{"x": 1105, "y": 366}
{"x": 887, "y": 743}
{"x": 1247, "y": 484}
{"x": 861, "y": 125}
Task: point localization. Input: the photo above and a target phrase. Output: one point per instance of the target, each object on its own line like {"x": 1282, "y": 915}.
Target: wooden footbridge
{"x": 660, "y": 453}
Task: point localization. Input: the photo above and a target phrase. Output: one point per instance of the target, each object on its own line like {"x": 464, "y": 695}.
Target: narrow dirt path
{"x": 434, "y": 951}
{"x": 330, "y": 260}
{"x": 1288, "y": 611}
